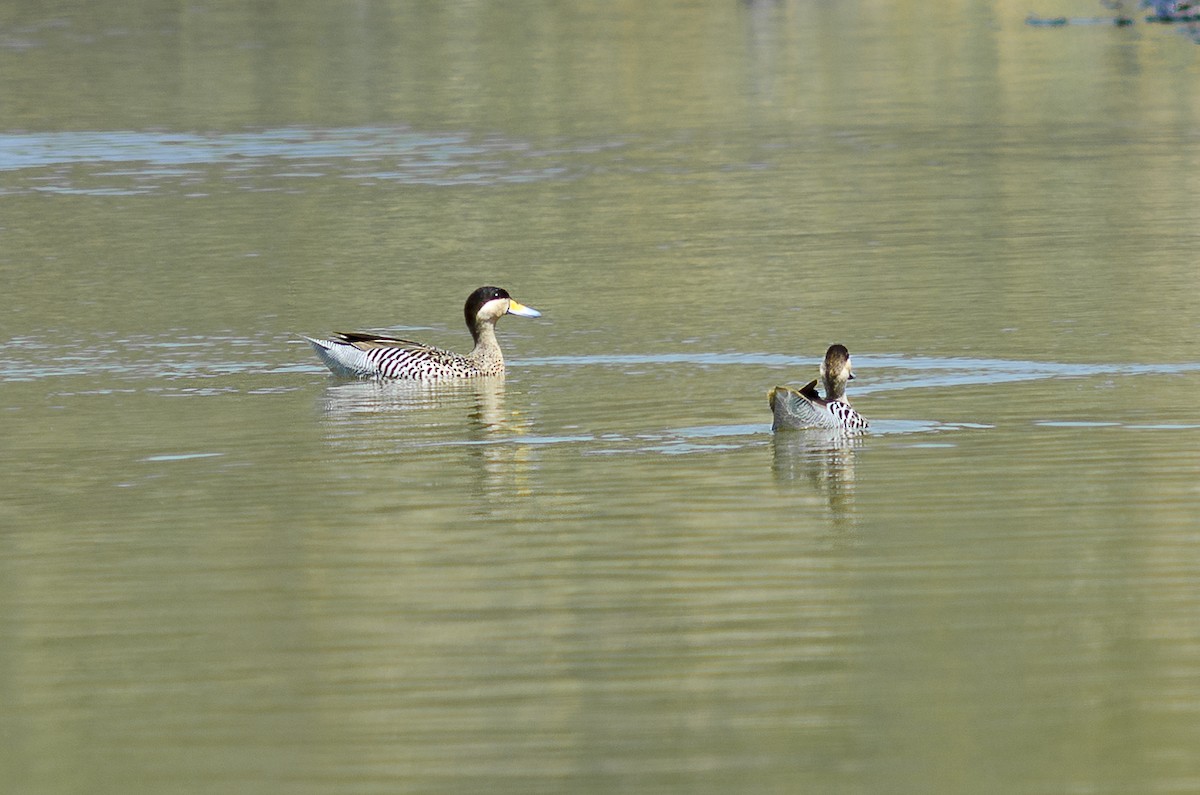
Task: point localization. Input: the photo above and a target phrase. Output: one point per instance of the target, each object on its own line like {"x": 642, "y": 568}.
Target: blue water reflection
{"x": 360, "y": 153}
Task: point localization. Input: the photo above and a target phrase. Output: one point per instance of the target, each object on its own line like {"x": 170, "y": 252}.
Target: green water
{"x": 223, "y": 571}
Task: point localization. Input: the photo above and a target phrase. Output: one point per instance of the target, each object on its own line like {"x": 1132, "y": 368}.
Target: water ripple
{"x": 106, "y": 163}
{"x": 929, "y": 372}
{"x": 29, "y": 358}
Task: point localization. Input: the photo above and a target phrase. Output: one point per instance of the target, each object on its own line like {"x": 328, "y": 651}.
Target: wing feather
{"x": 365, "y": 341}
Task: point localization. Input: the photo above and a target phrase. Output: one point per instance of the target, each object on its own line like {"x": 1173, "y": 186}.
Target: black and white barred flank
{"x": 804, "y": 408}
{"x": 371, "y": 356}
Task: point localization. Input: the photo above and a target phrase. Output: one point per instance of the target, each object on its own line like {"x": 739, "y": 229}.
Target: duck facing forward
{"x": 360, "y": 355}
{"x": 805, "y": 408}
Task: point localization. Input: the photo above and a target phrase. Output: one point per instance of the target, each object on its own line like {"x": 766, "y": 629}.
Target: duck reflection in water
{"x": 425, "y": 420}
{"x": 823, "y": 460}
{"x": 405, "y": 402}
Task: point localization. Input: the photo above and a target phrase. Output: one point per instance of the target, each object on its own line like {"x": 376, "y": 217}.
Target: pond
{"x": 223, "y": 570}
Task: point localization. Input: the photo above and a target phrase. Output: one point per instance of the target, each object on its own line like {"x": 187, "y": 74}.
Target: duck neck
{"x": 486, "y": 353}
{"x": 835, "y": 388}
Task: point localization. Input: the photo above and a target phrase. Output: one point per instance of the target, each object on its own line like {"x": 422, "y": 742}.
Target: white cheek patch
{"x": 493, "y": 309}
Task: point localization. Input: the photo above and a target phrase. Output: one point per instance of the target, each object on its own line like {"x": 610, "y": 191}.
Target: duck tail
{"x": 344, "y": 361}
{"x": 793, "y": 408}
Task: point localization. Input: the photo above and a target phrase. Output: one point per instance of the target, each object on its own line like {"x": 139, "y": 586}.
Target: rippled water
{"x": 222, "y": 570}
{"x": 139, "y": 163}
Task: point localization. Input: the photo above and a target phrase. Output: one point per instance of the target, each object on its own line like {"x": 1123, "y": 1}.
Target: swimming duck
{"x": 360, "y": 355}
{"x": 805, "y": 408}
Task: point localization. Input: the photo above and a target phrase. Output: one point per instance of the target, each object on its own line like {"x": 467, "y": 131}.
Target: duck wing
{"x": 809, "y": 391}
{"x": 798, "y": 408}
{"x": 365, "y": 341}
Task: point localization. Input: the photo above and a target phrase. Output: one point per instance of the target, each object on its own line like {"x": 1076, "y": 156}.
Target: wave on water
{"x": 928, "y": 372}
{"x": 127, "y": 162}
{"x": 33, "y": 357}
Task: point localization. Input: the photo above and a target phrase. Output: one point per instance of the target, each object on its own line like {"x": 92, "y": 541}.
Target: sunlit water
{"x": 222, "y": 570}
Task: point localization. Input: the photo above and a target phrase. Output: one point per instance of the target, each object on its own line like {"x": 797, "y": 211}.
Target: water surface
{"x": 222, "y": 570}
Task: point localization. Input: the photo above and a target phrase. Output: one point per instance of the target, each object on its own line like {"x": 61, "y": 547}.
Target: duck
{"x": 378, "y": 357}
{"x": 805, "y": 408}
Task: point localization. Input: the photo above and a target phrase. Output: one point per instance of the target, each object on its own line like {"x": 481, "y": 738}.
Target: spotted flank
{"x": 374, "y": 356}
{"x": 805, "y": 408}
